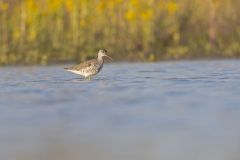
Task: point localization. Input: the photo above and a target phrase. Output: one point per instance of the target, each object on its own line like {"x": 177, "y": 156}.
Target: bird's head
{"x": 103, "y": 53}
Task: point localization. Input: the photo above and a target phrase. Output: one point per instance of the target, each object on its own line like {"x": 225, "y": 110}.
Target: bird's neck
{"x": 100, "y": 60}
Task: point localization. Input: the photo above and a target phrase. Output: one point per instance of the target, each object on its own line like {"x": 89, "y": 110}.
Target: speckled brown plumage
{"x": 86, "y": 64}
{"x": 90, "y": 67}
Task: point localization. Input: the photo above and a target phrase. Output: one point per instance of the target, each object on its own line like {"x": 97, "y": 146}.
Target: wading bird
{"x": 90, "y": 68}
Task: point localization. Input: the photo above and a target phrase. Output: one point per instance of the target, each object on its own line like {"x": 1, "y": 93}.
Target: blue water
{"x": 186, "y": 110}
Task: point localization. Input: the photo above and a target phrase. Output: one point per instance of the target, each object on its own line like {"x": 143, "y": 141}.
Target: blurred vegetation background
{"x": 50, "y": 31}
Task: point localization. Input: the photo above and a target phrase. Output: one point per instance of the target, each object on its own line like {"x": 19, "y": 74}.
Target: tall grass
{"x": 47, "y": 31}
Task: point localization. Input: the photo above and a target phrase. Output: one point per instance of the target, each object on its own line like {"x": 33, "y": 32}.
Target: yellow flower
{"x": 112, "y": 4}
{"x": 3, "y": 6}
{"x": 101, "y": 6}
{"x": 172, "y": 7}
{"x": 31, "y": 5}
{"x": 118, "y": 1}
{"x": 54, "y": 5}
{"x": 32, "y": 34}
{"x": 135, "y": 2}
{"x": 147, "y": 15}
{"x": 82, "y": 23}
{"x": 130, "y": 15}
{"x": 69, "y": 5}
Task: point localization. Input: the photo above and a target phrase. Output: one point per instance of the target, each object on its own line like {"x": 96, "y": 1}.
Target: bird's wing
{"x": 83, "y": 65}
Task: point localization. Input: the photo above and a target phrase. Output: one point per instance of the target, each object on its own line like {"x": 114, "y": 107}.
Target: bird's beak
{"x": 108, "y": 57}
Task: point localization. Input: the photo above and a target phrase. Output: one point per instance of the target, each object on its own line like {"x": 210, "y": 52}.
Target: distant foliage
{"x": 48, "y": 31}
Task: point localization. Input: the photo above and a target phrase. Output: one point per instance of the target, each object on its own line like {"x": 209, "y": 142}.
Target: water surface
{"x": 168, "y": 110}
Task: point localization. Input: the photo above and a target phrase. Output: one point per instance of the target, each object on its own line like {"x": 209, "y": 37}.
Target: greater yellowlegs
{"x": 90, "y": 67}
